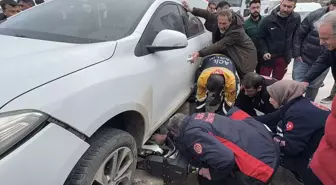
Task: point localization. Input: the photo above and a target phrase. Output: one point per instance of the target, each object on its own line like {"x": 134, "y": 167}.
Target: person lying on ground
{"x": 299, "y": 125}
{"x": 217, "y": 77}
{"x": 235, "y": 150}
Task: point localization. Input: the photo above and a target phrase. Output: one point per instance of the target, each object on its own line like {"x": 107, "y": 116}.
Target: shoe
{"x": 327, "y": 100}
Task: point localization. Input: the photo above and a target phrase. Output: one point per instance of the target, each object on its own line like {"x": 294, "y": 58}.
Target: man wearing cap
{"x": 9, "y": 8}
{"x": 234, "y": 150}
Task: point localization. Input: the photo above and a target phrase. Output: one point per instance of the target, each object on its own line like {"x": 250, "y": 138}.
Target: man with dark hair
{"x": 9, "y": 8}
{"x": 217, "y": 79}
{"x": 212, "y": 8}
{"x": 26, "y": 4}
{"x": 235, "y": 150}
{"x": 223, "y": 5}
{"x": 39, "y": 2}
{"x": 253, "y": 94}
{"x": 307, "y": 49}
{"x": 228, "y": 38}
{"x": 276, "y": 33}
{"x": 251, "y": 27}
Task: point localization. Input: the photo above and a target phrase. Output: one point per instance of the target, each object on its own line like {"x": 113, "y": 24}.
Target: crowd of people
{"x": 262, "y": 121}
{"x": 12, "y": 7}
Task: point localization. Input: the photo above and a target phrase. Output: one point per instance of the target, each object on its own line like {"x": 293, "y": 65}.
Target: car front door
{"x": 172, "y": 74}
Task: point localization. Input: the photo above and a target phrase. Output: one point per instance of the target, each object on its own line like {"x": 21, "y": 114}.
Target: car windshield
{"x": 78, "y": 21}
{"x": 233, "y": 3}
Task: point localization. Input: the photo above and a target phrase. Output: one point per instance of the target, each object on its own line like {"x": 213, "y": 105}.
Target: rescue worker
{"x": 300, "y": 126}
{"x": 218, "y": 78}
{"x": 253, "y": 94}
{"x": 235, "y": 150}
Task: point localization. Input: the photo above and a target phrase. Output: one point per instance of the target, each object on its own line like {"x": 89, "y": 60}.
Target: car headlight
{"x": 14, "y": 126}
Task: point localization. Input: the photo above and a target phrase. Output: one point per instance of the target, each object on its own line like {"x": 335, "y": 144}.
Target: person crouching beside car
{"x": 300, "y": 127}
{"x": 235, "y": 150}
{"x": 217, "y": 78}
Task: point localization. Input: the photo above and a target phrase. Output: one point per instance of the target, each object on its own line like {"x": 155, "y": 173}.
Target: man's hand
{"x": 298, "y": 59}
{"x": 205, "y": 173}
{"x": 281, "y": 142}
{"x": 186, "y": 6}
{"x": 305, "y": 84}
{"x": 267, "y": 56}
{"x": 194, "y": 56}
{"x": 159, "y": 138}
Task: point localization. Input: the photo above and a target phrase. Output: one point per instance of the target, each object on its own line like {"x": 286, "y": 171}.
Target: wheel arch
{"x": 133, "y": 119}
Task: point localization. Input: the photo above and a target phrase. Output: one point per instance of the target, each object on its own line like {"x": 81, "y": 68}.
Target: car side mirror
{"x": 168, "y": 40}
{"x": 246, "y": 12}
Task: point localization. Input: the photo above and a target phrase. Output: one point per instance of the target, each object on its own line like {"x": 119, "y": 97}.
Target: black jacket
{"x": 326, "y": 60}
{"x": 298, "y": 121}
{"x": 209, "y": 24}
{"x": 259, "y": 102}
{"x": 2, "y": 17}
{"x": 276, "y": 39}
{"x": 306, "y": 40}
{"x": 221, "y": 143}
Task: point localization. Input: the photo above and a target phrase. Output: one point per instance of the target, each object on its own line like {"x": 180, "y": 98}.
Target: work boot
{"x": 327, "y": 100}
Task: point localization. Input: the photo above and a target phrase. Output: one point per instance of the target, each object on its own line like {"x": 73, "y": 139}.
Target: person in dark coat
{"x": 326, "y": 29}
{"x": 251, "y": 26}
{"x": 235, "y": 150}
{"x": 307, "y": 49}
{"x": 9, "y": 8}
{"x": 276, "y": 33}
{"x": 229, "y": 38}
{"x": 212, "y": 8}
{"x": 299, "y": 126}
{"x": 253, "y": 94}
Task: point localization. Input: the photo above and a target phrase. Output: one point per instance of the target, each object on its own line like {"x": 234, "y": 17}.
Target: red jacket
{"x": 323, "y": 163}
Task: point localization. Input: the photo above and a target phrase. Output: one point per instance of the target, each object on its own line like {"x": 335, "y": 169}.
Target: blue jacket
{"x": 298, "y": 121}
{"x": 222, "y": 144}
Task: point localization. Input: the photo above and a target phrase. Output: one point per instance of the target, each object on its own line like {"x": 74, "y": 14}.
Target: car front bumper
{"x": 45, "y": 159}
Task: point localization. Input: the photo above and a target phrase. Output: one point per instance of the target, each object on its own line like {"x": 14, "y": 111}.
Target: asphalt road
{"x": 282, "y": 177}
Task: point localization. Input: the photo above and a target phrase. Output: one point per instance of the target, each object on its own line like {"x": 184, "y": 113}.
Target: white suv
{"x": 84, "y": 83}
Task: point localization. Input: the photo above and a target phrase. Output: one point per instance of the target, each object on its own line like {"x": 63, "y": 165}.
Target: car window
{"x": 192, "y": 24}
{"x": 167, "y": 17}
{"x": 78, "y": 21}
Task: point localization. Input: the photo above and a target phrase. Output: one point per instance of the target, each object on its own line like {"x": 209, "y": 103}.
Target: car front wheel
{"x": 110, "y": 160}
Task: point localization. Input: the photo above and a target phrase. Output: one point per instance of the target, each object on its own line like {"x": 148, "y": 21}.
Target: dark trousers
{"x": 278, "y": 70}
{"x": 299, "y": 166}
{"x": 238, "y": 179}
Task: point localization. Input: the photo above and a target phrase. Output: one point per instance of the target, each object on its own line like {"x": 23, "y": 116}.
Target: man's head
{"x": 255, "y": 8}
{"x": 287, "y": 7}
{"x": 26, "y": 4}
{"x": 224, "y": 20}
{"x": 174, "y": 125}
{"x": 326, "y": 27}
{"x": 252, "y": 84}
{"x": 211, "y": 7}
{"x": 332, "y": 5}
{"x": 223, "y": 5}
{"x": 10, "y": 7}
{"x": 215, "y": 83}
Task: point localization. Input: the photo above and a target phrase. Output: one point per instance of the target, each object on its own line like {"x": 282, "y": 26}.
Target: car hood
{"x": 26, "y": 64}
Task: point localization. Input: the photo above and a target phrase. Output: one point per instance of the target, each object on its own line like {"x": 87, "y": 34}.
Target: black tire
{"x": 102, "y": 144}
